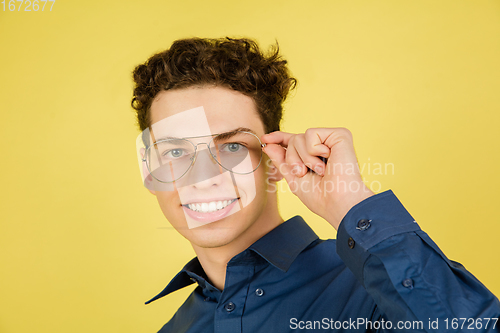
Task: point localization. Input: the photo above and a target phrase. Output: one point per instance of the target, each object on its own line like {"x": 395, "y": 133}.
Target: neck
{"x": 214, "y": 260}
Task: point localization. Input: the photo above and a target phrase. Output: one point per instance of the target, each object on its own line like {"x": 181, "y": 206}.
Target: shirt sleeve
{"x": 407, "y": 274}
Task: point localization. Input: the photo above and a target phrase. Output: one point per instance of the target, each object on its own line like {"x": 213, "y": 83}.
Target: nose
{"x": 205, "y": 171}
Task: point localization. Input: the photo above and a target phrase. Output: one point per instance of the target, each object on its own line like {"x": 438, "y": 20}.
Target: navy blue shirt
{"x": 381, "y": 274}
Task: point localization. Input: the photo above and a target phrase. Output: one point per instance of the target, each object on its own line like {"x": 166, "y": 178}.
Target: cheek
{"x": 169, "y": 203}
{"x": 170, "y": 206}
{"x": 252, "y": 186}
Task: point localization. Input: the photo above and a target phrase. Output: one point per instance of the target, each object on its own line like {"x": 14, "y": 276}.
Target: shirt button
{"x": 351, "y": 243}
{"x": 363, "y": 224}
{"x": 259, "y": 292}
{"x": 408, "y": 283}
{"x": 229, "y": 306}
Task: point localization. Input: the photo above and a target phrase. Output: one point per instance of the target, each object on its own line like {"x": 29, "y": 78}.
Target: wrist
{"x": 343, "y": 204}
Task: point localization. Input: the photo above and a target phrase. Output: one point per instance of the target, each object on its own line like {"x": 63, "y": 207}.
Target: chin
{"x": 218, "y": 233}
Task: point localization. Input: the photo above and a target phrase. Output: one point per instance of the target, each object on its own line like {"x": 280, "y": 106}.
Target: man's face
{"x": 223, "y": 110}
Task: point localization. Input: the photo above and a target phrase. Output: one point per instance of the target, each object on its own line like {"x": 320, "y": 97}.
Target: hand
{"x": 332, "y": 189}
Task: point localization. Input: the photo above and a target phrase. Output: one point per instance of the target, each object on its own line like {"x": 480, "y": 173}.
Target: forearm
{"x": 404, "y": 270}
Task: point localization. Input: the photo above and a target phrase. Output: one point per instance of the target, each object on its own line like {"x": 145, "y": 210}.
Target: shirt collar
{"x": 279, "y": 247}
{"x": 284, "y": 243}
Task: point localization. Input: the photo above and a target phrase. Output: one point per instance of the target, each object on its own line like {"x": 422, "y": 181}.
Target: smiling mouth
{"x": 209, "y": 207}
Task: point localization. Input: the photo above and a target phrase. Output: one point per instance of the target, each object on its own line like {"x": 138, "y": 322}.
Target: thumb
{"x": 277, "y": 155}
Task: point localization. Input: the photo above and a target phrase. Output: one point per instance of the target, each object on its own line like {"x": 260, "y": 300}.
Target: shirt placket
{"x": 229, "y": 311}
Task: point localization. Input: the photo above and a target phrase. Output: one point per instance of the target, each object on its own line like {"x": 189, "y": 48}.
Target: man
{"x": 208, "y": 108}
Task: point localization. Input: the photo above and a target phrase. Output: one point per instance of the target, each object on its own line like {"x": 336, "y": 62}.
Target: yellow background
{"x": 83, "y": 244}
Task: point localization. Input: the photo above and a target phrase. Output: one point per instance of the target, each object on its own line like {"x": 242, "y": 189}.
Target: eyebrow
{"x": 223, "y": 135}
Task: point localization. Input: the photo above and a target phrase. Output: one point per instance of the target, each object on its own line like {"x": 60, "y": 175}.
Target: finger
{"x": 310, "y": 161}
{"x": 278, "y": 137}
{"x": 340, "y": 142}
{"x": 315, "y": 139}
{"x": 298, "y": 168}
{"x": 328, "y": 136}
{"x": 277, "y": 155}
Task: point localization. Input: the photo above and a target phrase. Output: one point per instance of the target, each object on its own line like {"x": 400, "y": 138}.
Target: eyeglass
{"x": 169, "y": 159}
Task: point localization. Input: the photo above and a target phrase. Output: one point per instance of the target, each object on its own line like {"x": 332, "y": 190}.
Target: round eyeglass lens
{"x": 169, "y": 160}
{"x": 238, "y": 152}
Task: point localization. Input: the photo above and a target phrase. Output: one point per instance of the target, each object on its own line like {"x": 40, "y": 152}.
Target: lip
{"x": 210, "y": 217}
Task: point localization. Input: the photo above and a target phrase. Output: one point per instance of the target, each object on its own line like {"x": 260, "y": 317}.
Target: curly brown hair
{"x": 238, "y": 64}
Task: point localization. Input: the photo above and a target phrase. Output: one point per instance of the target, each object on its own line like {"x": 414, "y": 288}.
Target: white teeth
{"x": 209, "y": 207}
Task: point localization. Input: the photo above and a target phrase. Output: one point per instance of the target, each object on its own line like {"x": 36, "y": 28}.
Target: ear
{"x": 146, "y": 176}
{"x": 273, "y": 173}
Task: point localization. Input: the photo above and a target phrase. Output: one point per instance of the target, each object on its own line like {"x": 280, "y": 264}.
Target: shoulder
{"x": 320, "y": 277}
{"x": 320, "y": 258}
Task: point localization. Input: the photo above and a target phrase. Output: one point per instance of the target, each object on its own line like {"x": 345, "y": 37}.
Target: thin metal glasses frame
{"x": 195, "y": 146}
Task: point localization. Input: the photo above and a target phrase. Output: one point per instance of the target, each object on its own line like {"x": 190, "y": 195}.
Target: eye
{"x": 174, "y": 153}
{"x": 232, "y": 147}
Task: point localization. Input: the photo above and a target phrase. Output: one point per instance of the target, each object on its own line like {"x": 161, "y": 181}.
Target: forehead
{"x": 203, "y": 111}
